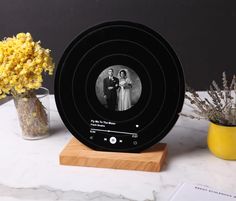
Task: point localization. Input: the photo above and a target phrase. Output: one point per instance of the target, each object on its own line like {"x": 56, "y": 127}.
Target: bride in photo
{"x": 124, "y": 92}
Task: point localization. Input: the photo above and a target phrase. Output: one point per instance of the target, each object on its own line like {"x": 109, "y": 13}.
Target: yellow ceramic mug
{"x": 222, "y": 141}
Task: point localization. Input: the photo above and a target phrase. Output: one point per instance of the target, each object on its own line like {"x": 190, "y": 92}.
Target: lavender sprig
{"x": 220, "y": 108}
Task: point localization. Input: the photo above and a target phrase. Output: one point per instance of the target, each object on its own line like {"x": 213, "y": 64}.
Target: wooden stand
{"x": 76, "y": 153}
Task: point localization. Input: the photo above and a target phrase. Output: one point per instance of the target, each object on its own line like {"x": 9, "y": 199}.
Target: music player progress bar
{"x": 112, "y": 131}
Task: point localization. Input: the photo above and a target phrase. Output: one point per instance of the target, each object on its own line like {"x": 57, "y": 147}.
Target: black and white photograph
{"x": 118, "y": 88}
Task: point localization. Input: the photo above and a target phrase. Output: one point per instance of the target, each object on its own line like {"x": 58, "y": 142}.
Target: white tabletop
{"x": 30, "y": 170}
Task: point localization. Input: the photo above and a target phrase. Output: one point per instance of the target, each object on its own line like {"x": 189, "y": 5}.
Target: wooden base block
{"x": 77, "y": 154}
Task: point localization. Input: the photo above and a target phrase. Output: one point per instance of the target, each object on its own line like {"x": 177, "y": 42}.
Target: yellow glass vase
{"x": 222, "y": 141}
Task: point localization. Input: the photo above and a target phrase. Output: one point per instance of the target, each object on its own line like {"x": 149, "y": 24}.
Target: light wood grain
{"x": 77, "y": 154}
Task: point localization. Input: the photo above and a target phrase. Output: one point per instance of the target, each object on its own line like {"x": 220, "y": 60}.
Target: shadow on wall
{"x": 136, "y": 83}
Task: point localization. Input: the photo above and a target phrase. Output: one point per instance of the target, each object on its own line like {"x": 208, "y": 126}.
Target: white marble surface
{"x": 30, "y": 170}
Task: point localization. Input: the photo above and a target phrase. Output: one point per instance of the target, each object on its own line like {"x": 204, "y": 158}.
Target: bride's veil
{"x": 127, "y": 74}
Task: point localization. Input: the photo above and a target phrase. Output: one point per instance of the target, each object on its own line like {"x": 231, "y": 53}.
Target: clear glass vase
{"x": 33, "y": 113}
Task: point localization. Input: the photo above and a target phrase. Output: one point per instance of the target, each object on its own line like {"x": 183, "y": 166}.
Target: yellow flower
{"x": 22, "y": 62}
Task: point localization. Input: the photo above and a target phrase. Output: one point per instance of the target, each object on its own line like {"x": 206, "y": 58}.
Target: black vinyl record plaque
{"x": 119, "y": 86}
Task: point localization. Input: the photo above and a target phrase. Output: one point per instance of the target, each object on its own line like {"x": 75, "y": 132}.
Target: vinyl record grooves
{"x": 119, "y": 86}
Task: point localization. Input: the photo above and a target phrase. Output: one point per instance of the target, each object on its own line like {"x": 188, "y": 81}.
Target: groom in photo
{"x": 110, "y": 86}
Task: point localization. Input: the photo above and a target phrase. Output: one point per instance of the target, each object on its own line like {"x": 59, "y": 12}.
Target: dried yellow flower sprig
{"x": 22, "y": 62}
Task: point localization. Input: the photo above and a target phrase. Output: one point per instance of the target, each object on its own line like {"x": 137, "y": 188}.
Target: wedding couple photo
{"x": 118, "y": 88}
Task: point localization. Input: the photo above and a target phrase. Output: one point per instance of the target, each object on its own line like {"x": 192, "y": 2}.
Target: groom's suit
{"x": 111, "y": 95}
